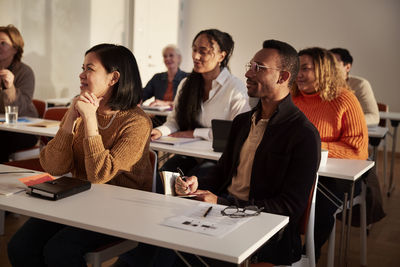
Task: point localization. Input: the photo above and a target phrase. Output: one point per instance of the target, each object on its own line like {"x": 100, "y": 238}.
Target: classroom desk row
{"x": 137, "y": 215}
{"x": 349, "y": 170}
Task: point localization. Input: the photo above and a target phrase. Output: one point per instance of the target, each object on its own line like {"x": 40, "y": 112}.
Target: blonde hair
{"x": 329, "y": 81}
{"x": 176, "y": 49}
{"x": 16, "y": 39}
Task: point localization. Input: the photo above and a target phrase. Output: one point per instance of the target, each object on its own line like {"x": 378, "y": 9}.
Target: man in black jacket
{"x": 272, "y": 155}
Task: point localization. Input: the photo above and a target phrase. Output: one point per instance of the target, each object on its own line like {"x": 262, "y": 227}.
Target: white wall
{"x": 58, "y": 32}
{"x": 155, "y": 26}
{"x": 370, "y": 29}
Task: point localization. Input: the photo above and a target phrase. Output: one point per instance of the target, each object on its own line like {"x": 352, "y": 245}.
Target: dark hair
{"x": 16, "y": 39}
{"x": 127, "y": 92}
{"x": 191, "y": 94}
{"x": 288, "y": 56}
{"x": 344, "y": 55}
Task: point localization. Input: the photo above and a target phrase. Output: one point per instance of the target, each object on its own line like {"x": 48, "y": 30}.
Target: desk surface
{"x": 23, "y": 127}
{"x": 347, "y": 169}
{"x": 377, "y": 131}
{"x": 136, "y": 215}
{"x": 390, "y": 115}
{"x": 164, "y": 113}
{"x": 198, "y": 149}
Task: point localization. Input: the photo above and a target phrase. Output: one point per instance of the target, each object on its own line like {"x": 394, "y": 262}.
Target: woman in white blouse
{"x": 209, "y": 92}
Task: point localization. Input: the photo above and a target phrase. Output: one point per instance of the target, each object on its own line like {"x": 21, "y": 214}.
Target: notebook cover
{"x": 59, "y": 188}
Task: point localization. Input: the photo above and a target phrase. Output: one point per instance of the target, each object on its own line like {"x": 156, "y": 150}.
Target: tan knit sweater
{"x": 118, "y": 156}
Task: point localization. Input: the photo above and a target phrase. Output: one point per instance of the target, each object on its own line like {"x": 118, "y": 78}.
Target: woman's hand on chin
{"x": 87, "y": 104}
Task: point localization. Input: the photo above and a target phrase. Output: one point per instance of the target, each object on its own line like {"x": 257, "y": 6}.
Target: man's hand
{"x": 186, "y": 187}
{"x": 206, "y": 196}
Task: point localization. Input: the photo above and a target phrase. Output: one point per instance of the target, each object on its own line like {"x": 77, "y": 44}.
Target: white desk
{"x": 199, "y": 149}
{"x": 394, "y": 118}
{"x": 23, "y": 127}
{"x": 136, "y": 215}
{"x": 164, "y": 113}
{"x": 376, "y": 134}
{"x": 345, "y": 169}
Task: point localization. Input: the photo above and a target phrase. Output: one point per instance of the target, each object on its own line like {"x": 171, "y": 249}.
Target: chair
{"x": 117, "y": 248}
{"x": 34, "y": 163}
{"x": 307, "y": 229}
{"x": 33, "y": 151}
{"x": 40, "y": 106}
{"x": 360, "y": 199}
{"x": 383, "y": 122}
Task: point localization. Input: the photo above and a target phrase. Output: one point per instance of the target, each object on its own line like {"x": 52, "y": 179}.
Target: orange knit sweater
{"x": 118, "y": 156}
{"x": 340, "y": 123}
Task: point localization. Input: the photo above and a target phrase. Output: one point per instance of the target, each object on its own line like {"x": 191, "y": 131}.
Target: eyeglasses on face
{"x": 236, "y": 212}
{"x": 254, "y": 67}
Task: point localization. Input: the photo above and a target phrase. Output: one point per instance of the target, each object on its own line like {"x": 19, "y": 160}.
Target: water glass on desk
{"x": 11, "y": 113}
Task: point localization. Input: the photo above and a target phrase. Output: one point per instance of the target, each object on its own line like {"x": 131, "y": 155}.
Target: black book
{"x": 59, "y": 188}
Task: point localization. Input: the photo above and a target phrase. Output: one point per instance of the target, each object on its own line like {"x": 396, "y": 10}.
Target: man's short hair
{"x": 344, "y": 54}
{"x": 288, "y": 55}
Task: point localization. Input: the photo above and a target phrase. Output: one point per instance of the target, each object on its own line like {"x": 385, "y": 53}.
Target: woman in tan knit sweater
{"x": 104, "y": 137}
{"x": 322, "y": 94}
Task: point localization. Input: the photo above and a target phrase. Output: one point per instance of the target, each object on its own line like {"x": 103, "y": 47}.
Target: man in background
{"x": 360, "y": 86}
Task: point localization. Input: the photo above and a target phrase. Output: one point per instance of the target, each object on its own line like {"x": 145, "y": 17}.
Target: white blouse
{"x": 227, "y": 98}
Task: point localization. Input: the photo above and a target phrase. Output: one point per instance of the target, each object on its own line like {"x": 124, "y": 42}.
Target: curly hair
{"x": 329, "y": 81}
{"x": 192, "y": 92}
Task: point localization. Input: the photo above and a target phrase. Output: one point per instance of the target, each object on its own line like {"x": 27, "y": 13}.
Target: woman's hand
{"x": 87, "y": 105}
{"x": 155, "y": 134}
{"x": 185, "y": 134}
{"x": 159, "y": 102}
{"x": 7, "y": 78}
{"x": 186, "y": 187}
{"x": 206, "y": 196}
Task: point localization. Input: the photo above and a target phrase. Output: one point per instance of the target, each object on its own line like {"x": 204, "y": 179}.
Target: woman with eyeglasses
{"x": 209, "y": 92}
{"x": 321, "y": 92}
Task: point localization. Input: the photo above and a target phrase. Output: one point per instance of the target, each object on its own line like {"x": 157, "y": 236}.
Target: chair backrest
{"x": 384, "y": 108}
{"x": 40, "y": 106}
{"x": 55, "y": 113}
{"x": 307, "y": 224}
{"x": 153, "y": 160}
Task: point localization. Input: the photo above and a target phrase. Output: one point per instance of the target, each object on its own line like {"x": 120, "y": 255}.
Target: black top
{"x": 284, "y": 170}
{"x": 158, "y": 85}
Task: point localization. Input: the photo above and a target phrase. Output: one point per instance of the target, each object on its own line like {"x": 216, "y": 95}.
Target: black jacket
{"x": 283, "y": 172}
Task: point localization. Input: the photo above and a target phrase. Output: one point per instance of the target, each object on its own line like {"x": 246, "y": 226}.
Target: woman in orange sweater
{"x": 322, "y": 94}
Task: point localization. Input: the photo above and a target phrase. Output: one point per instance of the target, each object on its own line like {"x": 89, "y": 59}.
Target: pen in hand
{"x": 183, "y": 177}
{"x": 207, "y": 211}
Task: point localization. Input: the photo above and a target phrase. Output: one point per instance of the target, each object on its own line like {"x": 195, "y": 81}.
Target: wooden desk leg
{"x": 391, "y": 185}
